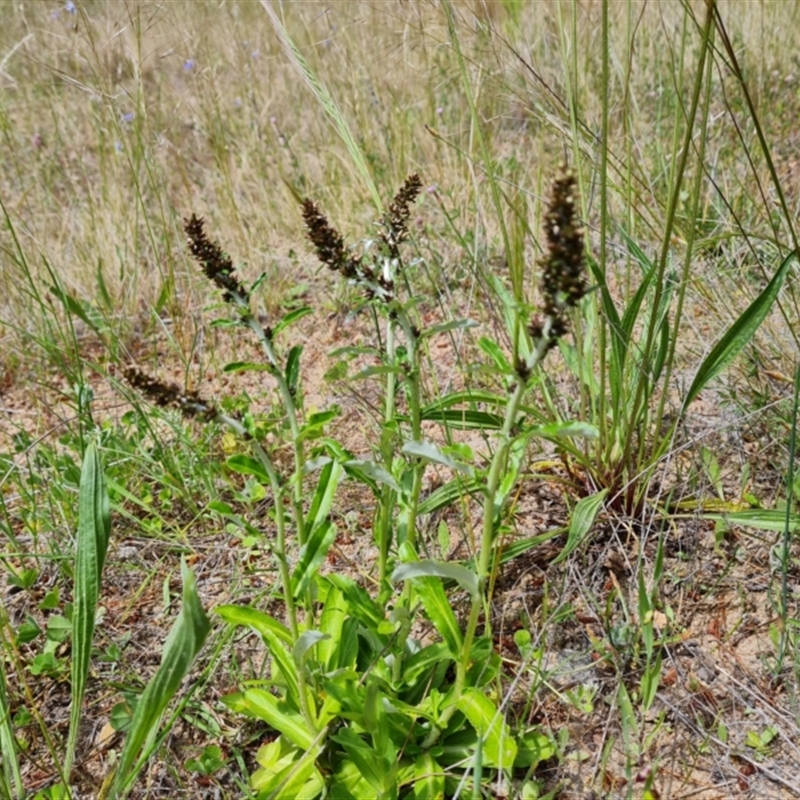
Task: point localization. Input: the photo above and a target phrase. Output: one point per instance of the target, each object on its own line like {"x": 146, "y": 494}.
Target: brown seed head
{"x": 189, "y": 403}
{"x": 216, "y": 264}
{"x": 395, "y": 220}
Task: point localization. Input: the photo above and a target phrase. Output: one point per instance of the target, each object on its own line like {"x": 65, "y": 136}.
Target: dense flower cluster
{"x": 395, "y": 220}
{"x": 563, "y": 278}
{"x": 190, "y": 403}
{"x": 216, "y": 264}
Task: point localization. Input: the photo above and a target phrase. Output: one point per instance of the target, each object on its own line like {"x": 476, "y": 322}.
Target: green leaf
{"x": 94, "y": 530}
{"x": 324, "y": 494}
{"x": 371, "y": 764}
{"x": 499, "y": 748}
{"x": 247, "y": 366}
{"x": 372, "y": 472}
{"x": 184, "y": 642}
{"x": 581, "y": 523}
{"x": 759, "y": 518}
{"x": 247, "y": 465}
{"x": 291, "y": 318}
{"x": 493, "y": 350}
{"x": 12, "y": 775}
{"x": 430, "y": 452}
{"x": 452, "y": 325}
{"x": 371, "y": 372}
{"x": 312, "y": 554}
{"x": 428, "y": 779}
{"x": 739, "y": 333}
{"x": 450, "y": 492}
{"x": 361, "y": 604}
{"x": 266, "y": 706}
{"x": 555, "y": 429}
{"x": 292, "y": 371}
{"x": 287, "y": 772}
{"x": 439, "y": 611}
{"x": 256, "y": 620}
{"x": 464, "y": 419}
{"x": 305, "y": 642}
{"x": 534, "y": 747}
{"x": 465, "y": 578}
{"x": 331, "y": 623}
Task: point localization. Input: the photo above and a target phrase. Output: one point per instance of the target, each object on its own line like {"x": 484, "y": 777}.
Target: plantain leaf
{"x": 498, "y": 748}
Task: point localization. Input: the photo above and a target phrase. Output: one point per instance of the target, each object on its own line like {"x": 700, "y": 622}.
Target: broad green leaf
{"x": 184, "y": 642}
{"x": 90, "y": 316}
{"x": 266, "y": 706}
{"x": 323, "y": 496}
{"x": 439, "y": 611}
{"x": 465, "y": 578}
{"x": 450, "y": 492}
{"x": 349, "y": 783}
{"x": 464, "y": 419}
{"x": 371, "y": 471}
{"x": 247, "y": 366}
{"x": 498, "y": 746}
{"x": 283, "y": 666}
{"x": 469, "y": 396}
{"x": 583, "y": 517}
{"x": 290, "y": 318}
{"x": 94, "y": 530}
{"x": 430, "y": 452}
{"x": 739, "y": 333}
{"x": 331, "y": 623}
{"x": 360, "y": 603}
{"x": 287, "y": 772}
{"x": 533, "y": 748}
{"x": 759, "y": 518}
{"x": 370, "y": 763}
{"x": 292, "y": 371}
{"x": 247, "y": 465}
{"x": 371, "y": 372}
{"x": 305, "y": 642}
{"x": 11, "y": 786}
{"x": 493, "y": 350}
{"x": 428, "y": 779}
{"x": 257, "y": 620}
{"x": 556, "y": 429}
{"x": 312, "y": 554}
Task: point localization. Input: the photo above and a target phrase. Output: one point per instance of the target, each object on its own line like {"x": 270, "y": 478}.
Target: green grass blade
{"x": 94, "y": 528}
{"x": 180, "y": 650}
{"x": 740, "y": 333}
{"x": 11, "y": 776}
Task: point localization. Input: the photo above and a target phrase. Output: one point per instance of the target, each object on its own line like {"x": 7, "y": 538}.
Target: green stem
{"x": 387, "y": 495}
{"x": 484, "y": 563}
{"x": 291, "y": 413}
{"x": 280, "y": 553}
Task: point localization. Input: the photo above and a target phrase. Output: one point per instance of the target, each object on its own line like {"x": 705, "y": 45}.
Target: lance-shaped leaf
{"x": 180, "y": 650}
{"x": 740, "y": 333}
{"x": 94, "y": 528}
